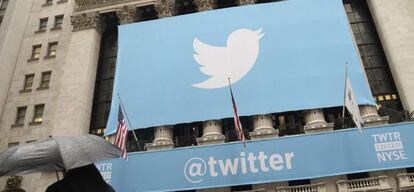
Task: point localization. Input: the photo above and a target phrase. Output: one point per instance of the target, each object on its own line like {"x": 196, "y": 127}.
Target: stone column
{"x": 263, "y": 127}
{"x": 315, "y": 122}
{"x": 165, "y": 8}
{"x": 212, "y": 133}
{"x": 205, "y": 5}
{"x": 394, "y": 23}
{"x": 163, "y": 139}
{"x": 73, "y": 104}
{"x": 127, "y": 14}
{"x": 246, "y": 2}
{"x": 370, "y": 116}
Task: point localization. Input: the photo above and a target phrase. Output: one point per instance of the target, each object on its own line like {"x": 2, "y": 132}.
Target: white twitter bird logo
{"x": 233, "y": 61}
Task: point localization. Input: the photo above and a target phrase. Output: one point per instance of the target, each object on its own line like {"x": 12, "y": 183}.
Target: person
{"x": 82, "y": 179}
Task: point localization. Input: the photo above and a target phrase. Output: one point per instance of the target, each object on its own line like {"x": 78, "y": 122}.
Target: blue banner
{"x": 280, "y": 159}
{"x": 281, "y": 56}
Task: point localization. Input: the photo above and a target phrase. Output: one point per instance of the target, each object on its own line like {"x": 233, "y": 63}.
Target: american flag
{"x": 121, "y": 133}
{"x": 237, "y": 123}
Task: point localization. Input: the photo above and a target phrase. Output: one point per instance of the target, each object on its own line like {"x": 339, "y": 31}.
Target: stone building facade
{"x": 57, "y": 66}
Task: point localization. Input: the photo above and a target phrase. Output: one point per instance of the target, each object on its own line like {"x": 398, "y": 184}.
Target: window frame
{"x": 38, "y": 113}
{"x": 52, "y": 52}
{"x": 28, "y": 82}
{"x": 3, "y": 5}
{"x": 20, "y": 115}
{"x": 44, "y": 20}
{"x": 36, "y": 54}
{"x": 44, "y": 83}
{"x": 56, "y": 24}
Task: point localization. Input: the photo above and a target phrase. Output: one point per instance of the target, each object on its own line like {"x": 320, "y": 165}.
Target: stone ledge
{"x": 35, "y": 123}
{"x": 210, "y": 139}
{"x": 25, "y": 91}
{"x": 17, "y": 125}
{"x": 40, "y": 31}
{"x": 376, "y": 121}
{"x": 318, "y": 128}
{"x": 49, "y": 57}
{"x": 264, "y": 133}
{"x": 159, "y": 145}
{"x": 42, "y": 88}
{"x": 32, "y": 59}
{"x": 56, "y": 28}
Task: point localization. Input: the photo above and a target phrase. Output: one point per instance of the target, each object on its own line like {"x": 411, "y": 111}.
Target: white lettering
{"x": 211, "y": 163}
{"x": 243, "y": 163}
{"x": 251, "y": 158}
{"x": 246, "y": 163}
{"x": 229, "y": 166}
{"x": 262, "y": 157}
{"x": 402, "y": 154}
{"x": 383, "y": 137}
{"x": 289, "y": 157}
{"x": 195, "y": 169}
{"x": 397, "y": 136}
{"x": 276, "y": 162}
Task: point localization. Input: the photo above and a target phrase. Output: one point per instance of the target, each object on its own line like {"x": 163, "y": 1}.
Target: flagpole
{"x": 343, "y": 108}
{"x": 130, "y": 125}
{"x": 238, "y": 119}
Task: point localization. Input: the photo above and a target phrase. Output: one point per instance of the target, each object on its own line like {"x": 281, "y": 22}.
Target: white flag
{"x": 351, "y": 105}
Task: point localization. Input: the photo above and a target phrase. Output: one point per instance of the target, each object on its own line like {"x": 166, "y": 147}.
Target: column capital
{"x": 165, "y": 8}
{"x": 92, "y": 20}
{"x": 212, "y": 133}
{"x": 370, "y": 116}
{"x": 127, "y": 14}
{"x": 246, "y": 2}
{"x": 263, "y": 127}
{"x": 163, "y": 138}
{"x": 205, "y": 5}
{"x": 315, "y": 122}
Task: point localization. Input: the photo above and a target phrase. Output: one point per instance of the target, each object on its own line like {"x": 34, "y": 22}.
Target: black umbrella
{"x": 56, "y": 153}
{"x": 82, "y": 179}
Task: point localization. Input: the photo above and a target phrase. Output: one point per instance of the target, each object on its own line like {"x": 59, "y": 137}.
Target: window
{"x": 58, "y": 21}
{"x": 28, "y": 82}
{"x": 51, "y": 51}
{"x": 44, "y": 83}
{"x": 43, "y": 24}
{"x": 36, "y": 51}
{"x": 38, "y": 113}
{"x": 21, "y": 113}
{"x": 3, "y": 4}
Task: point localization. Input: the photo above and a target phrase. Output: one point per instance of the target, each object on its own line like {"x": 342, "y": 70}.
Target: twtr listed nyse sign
{"x": 196, "y": 169}
{"x": 389, "y": 147}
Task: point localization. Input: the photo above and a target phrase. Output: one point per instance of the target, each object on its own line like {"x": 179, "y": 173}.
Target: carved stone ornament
{"x": 205, "y": 5}
{"x": 165, "y": 8}
{"x": 92, "y": 20}
{"x": 128, "y": 14}
{"x": 246, "y": 2}
{"x": 82, "y": 5}
{"x": 13, "y": 184}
